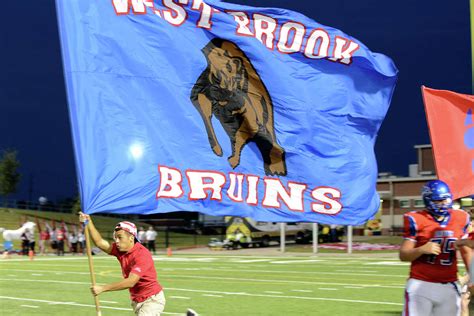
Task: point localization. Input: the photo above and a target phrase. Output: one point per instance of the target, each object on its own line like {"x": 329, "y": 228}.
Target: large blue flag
{"x": 223, "y": 109}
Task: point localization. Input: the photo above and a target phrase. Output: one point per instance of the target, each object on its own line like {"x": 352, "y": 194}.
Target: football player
{"x": 429, "y": 244}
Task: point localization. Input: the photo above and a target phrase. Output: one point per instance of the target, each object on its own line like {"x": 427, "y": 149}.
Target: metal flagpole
{"x": 91, "y": 266}
{"x": 282, "y": 237}
{"x": 349, "y": 239}
{"x": 315, "y": 237}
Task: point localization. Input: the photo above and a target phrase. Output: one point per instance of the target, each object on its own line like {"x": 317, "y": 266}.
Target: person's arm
{"x": 464, "y": 242}
{"x": 95, "y": 235}
{"x": 408, "y": 251}
{"x": 465, "y": 299}
{"x": 121, "y": 285}
{"x": 38, "y": 225}
{"x": 47, "y": 226}
{"x": 466, "y": 254}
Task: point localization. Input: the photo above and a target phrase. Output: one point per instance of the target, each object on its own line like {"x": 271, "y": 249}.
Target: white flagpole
{"x": 282, "y": 237}
{"x": 349, "y": 239}
{"x": 315, "y": 237}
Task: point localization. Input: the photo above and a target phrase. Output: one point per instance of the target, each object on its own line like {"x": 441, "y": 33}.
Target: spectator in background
{"x": 53, "y": 238}
{"x": 60, "y": 236}
{"x": 25, "y": 243}
{"x": 150, "y": 236}
{"x": 44, "y": 235}
{"x": 81, "y": 240}
{"x": 142, "y": 234}
{"x": 31, "y": 240}
{"x": 73, "y": 240}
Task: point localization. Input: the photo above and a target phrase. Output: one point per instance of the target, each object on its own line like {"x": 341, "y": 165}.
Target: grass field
{"x": 216, "y": 284}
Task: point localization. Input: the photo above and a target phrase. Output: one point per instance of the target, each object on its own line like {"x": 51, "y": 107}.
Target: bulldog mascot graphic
{"x": 231, "y": 90}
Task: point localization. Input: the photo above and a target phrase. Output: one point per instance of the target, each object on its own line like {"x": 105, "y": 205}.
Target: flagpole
{"x": 91, "y": 266}
{"x": 472, "y": 44}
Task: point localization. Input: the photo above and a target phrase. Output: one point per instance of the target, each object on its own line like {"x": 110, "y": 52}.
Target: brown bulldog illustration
{"x": 231, "y": 89}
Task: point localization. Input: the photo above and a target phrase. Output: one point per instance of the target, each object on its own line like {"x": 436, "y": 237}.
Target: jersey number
{"x": 448, "y": 251}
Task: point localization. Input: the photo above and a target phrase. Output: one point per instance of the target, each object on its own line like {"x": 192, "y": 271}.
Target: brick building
{"x": 402, "y": 194}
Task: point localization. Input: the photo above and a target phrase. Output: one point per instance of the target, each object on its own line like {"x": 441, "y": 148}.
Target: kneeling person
{"x": 137, "y": 265}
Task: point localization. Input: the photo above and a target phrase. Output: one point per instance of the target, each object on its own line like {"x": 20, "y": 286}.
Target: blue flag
{"x": 185, "y": 105}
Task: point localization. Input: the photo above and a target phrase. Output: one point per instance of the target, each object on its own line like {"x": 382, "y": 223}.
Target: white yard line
{"x": 404, "y": 276}
{"x": 190, "y": 290}
{"x": 57, "y": 259}
{"x": 297, "y": 261}
{"x": 327, "y": 258}
{"x": 49, "y": 271}
{"x": 72, "y": 304}
{"x": 30, "y": 306}
{"x": 249, "y": 260}
{"x": 327, "y": 289}
{"x": 185, "y": 259}
{"x": 283, "y": 281}
{"x": 288, "y": 296}
{"x": 366, "y": 271}
{"x": 212, "y": 295}
{"x": 179, "y": 257}
{"x": 272, "y": 292}
{"x": 180, "y": 297}
{"x": 110, "y": 302}
{"x": 303, "y": 291}
{"x": 48, "y": 281}
{"x": 235, "y": 279}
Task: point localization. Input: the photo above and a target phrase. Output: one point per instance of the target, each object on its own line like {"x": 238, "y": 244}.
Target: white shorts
{"x": 428, "y": 298}
{"x": 153, "y": 306}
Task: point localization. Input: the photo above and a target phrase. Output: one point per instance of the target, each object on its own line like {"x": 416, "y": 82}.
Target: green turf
{"x": 218, "y": 284}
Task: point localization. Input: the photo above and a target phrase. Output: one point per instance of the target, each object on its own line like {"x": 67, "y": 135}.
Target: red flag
{"x": 451, "y": 124}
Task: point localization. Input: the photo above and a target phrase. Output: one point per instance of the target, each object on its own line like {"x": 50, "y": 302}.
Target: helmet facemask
{"x": 439, "y": 207}
{"x": 437, "y": 197}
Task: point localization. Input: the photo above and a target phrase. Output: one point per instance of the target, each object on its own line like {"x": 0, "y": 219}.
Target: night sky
{"x": 429, "y": 42}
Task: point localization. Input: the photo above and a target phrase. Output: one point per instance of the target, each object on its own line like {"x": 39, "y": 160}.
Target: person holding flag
{"x": 137, "y": 265}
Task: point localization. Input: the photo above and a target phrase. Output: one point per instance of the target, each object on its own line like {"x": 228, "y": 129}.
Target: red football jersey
{"x": 421, "y": 227}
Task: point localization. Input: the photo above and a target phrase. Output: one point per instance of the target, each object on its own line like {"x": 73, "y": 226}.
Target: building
{"x": 402, "y": 194}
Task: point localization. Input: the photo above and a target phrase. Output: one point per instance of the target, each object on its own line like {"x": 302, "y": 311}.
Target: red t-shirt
{"x": 44, "y": 235}
{"x": 471, "y": 236}
{"x": 138, "y": 261}
{"x": 421, "y": 227}
{"x": 60, "y": 235}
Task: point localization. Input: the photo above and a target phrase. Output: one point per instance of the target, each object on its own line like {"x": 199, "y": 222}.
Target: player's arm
{"x": 117, "y": 286}
{"x": 408, "y": 251}
{"x": 466, "y": 254}
{"x": 103, "y": 244}
{"x": 464, "y": 242}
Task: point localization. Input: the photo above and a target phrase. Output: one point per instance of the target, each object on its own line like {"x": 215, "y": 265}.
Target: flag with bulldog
{"x": 192, "y": 105}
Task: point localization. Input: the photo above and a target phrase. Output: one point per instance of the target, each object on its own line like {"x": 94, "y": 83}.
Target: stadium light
{"x": 136, "y": 150}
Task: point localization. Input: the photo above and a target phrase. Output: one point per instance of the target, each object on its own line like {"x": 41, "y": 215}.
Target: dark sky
{"x": 428, "y": 40}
